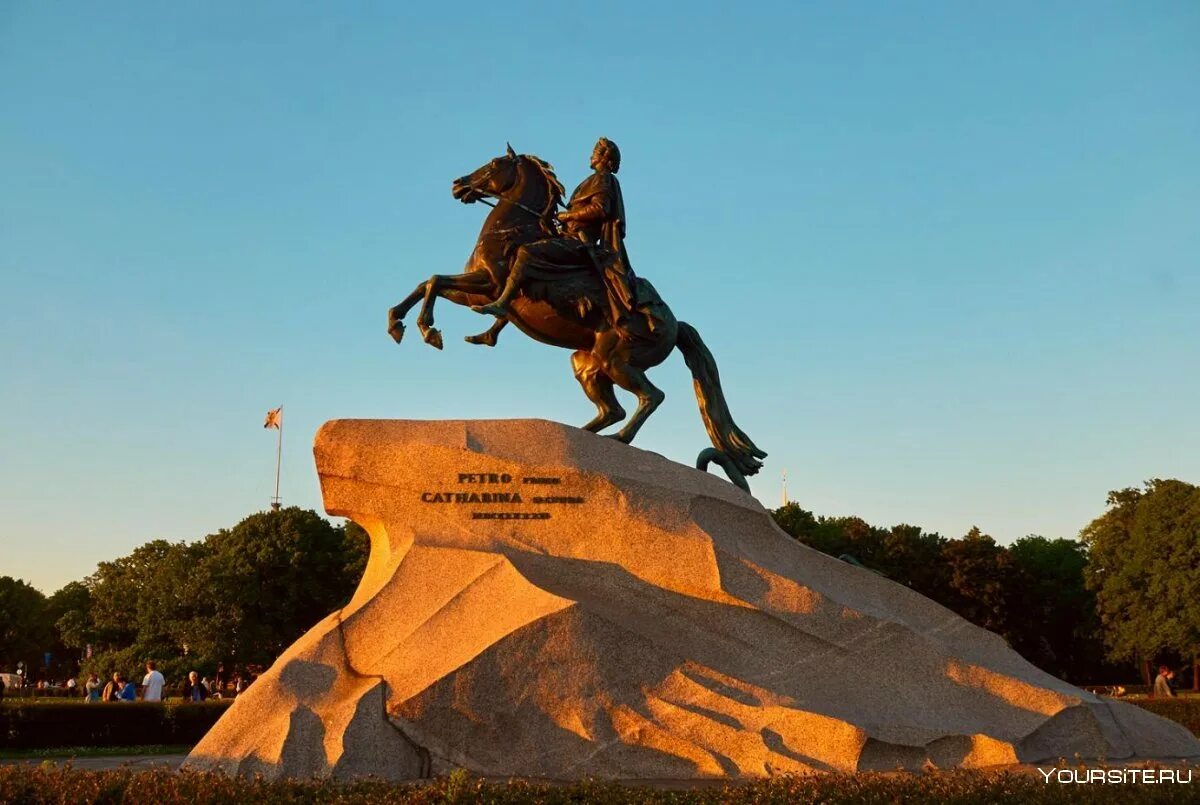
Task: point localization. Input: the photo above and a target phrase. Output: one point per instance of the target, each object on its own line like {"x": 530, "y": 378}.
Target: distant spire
{"x": 785, "y": 497}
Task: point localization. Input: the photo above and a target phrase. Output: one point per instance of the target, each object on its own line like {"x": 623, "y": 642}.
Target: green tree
{"x": 1063, "y": 631}
{"x": 797, "y": 522}
{"x": 142, "y": 598}
{"x": 913, "y": 557}
{"x": 24, "y": 629}
{"x": 145, "y": 606}
{"x": 272, "y": 577}
{"x": 904, "y": 553}
{"x": 70, "y": 610}
{"x": 836, "y": 536}
{"x": 68, "y": 616}
{"x": 1144, "y": 566}
{"x": 984, "y": 584}
{"x": 240, "y": 595}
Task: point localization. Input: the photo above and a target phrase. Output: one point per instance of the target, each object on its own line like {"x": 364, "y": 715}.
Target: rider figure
{"x": 595, "y": 216}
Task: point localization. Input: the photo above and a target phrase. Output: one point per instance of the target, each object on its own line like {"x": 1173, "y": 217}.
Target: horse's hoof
{"x": 482, "y": 338}
{"x": 396, "y": 331}
{"x": 433, "y": 337}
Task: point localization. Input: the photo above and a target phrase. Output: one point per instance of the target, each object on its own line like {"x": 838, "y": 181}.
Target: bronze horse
{"x": 566, "y": 308}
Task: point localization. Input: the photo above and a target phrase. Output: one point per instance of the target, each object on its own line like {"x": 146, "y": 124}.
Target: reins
{"x": 543, "y": 217}
{"x": 539, "y": 215}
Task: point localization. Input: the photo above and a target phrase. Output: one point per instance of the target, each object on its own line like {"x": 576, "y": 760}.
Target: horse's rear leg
{"x": 649, "y": 396}
{"x": 599, "y": 389}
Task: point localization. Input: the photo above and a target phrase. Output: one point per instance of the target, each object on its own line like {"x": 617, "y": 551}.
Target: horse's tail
{"x": 732, "y": 448}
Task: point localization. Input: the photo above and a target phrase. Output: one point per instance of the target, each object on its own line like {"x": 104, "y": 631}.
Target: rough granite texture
{"x": 664, "y": 627}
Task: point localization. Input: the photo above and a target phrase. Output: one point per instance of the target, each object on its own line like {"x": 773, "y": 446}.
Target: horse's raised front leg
{"x": 396, "y": 314}
{"x": 488, "y": 338}
{"x": 473, "y": 282}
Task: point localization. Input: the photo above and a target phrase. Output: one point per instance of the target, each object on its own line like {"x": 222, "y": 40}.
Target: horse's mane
{"x": 556, "y": 187}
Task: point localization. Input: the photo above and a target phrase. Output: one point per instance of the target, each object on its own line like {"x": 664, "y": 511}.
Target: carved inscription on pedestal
{"x": 520, "y": 497}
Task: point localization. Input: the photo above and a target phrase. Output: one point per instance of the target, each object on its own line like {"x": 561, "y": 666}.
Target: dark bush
{"x": 30, "y": 725}
{"x": 34, "y": 784}
{"x": 29, "y": 692}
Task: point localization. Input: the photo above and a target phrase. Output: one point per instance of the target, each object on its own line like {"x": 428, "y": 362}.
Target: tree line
{"x": 239, "y": 596}
{"x": 1090, "y": 610}
{"x": 1123, "y": 596}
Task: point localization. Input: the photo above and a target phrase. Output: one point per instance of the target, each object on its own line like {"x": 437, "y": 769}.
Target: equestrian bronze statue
{"x": 564, "y": 278}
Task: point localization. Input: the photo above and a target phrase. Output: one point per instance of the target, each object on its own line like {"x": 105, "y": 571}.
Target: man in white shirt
{"x": 152, "y": 685}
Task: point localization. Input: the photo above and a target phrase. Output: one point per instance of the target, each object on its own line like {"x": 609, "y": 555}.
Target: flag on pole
{"x": 275, "y": 420}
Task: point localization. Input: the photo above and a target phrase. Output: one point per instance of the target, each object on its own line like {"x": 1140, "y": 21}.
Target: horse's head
{"x": 491, "y": 179}
{"x": 522, "y": 180}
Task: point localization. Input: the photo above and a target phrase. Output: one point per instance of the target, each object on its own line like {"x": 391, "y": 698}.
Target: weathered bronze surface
{"x": 564, "y": 278}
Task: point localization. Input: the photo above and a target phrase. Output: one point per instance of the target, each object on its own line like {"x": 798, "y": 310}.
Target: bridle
{"x": 542, "y": 217}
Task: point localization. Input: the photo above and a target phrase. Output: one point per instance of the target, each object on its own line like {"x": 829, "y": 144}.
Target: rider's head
{"x": 606, "y": 156}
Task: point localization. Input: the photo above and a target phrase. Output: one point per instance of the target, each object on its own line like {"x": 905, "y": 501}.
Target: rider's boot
{"x": 483, "y": 339}
{"x": 499, "y": 307}
{"x": 488, "y": 337}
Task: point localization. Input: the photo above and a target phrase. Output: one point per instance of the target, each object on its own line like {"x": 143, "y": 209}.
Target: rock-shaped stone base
{"x": 544, "y": 602}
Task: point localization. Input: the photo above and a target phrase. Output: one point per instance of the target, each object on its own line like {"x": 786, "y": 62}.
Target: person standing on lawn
{"x": 128, "y": 692}
{"x": 91, "y": 689}
{"x": 1162, "y": 683}
{"x": 112, "y": 689}
{"x": 152, "y": 684}
{"x": 193, "y": 691}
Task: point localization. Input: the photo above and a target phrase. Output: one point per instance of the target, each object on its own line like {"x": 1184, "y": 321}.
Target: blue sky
{"x": 944, "y": 253}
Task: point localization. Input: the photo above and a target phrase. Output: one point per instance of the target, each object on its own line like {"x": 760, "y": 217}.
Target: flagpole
{"x": 278, "y": 461}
